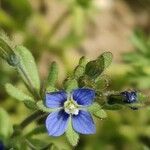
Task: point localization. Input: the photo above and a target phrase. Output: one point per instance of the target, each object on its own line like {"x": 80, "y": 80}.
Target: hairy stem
{"x": 30, "y": 145}
{"x": 30, "y": 86}
{"x": 35, "y": 116}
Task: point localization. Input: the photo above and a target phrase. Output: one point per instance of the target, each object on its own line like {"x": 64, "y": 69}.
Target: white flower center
{"x": 71, "y": 107}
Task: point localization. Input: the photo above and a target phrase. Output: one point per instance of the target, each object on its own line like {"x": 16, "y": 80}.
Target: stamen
{"x": 71, "y": 107}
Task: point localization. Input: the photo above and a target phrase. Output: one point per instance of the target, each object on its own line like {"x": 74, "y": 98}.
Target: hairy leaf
{"x": 52, "y": 77}
{"x": 80, "y": 69}
{"x": 6, "y": 128}
{"x": 17, "y": 93}
{"x": 28, "y": 68}
{"x": 96, "y": 67}
{"x": 71, "y": 135}
{"x": 97, "y": 111}
{"x": 38, "y": 130}
{"x": 7, "y": 50}
{"x": 20, "y": 96}
{"x": 43, "y": 108}
{"x": 70, "y": 84}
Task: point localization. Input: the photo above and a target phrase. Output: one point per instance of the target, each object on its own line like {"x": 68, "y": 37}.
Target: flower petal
{"x": 56, "y": 123}
{"x": 55, "y": 99}
{"x": 83, "y": 123}
{"x": 84, "y": 96}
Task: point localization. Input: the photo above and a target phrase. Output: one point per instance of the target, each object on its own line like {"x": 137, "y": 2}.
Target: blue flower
{"x": 70, "y": 105}
{"x": 129, "y": 97}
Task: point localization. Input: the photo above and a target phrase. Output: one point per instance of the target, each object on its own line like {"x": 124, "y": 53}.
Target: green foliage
{"x": 97, "y": 111}
{"x": 43, "y": 108}
{"x": 70, "y": 84}
{"x": 102, "y": 82}
{"x": 139, "y": 74}
{"x": 38, "y": 130}
{"x": 17, "y": 93}
{"x": 22, "y": 59}
{"x": 7, "y": 50}
{"x": 92, "y": 72}
{"x": 113, "y": 107}
{"x": 6, "y": 128}
{"x": 71, "y": 135}
{"x": 120, "y": 131}
{"x": 27, "y": 68}
{"x": 96, "y": 67}
{"x": 30, "y": 104}
{"x": 86, "y": 81}
{"x": 52, "y": 77}
{"x": 80, "y": 69}
{"x": 35, "y": 143}
{"x": 20, "y": 96}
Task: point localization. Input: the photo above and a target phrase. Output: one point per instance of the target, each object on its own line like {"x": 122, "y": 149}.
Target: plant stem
{"x": 30, "y": 145}
{"x": 30, "y": 86}
{"x": 35, "y": 116}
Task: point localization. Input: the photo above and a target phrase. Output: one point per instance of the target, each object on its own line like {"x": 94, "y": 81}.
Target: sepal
{"x": 72, "y": 136}
{"x": 42, "y": 107}
{"x": 97, "y": 111}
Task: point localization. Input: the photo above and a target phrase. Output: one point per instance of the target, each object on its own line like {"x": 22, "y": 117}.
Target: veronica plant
{"x": 70, "y": 110}
{"x": 72, "y": 106}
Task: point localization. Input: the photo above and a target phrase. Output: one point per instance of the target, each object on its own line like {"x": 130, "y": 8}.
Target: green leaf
{"x": 102, "y": 82}
{"x": 94, "y": 107}
{"x": 135, "y": 105}
{"x": 50, "y": 89}
{"x": 80, "y": 69}
{"x": 27, "y": 68}
{"x": 39, "y": 130}
{"x": 71, "y": 135}
{"x": 96, "y": 67}
{"x": 101, "y": 114}
{"x": 39, "y": 144}
{"x": 17, "y": 93}
{"x": 6, "y": 128}
{"x": 20, "y": 96}
{"x": 97, "y": 111}
{"x": 43, "y": 108}
{"x": 86, "y": 81}
{"x": 113, "y": 107}
{"x": 7, "y": 50}
{"x": 30, "y": 104}
{"x": 52, "y": 77}
{"x": 70, "y": 84}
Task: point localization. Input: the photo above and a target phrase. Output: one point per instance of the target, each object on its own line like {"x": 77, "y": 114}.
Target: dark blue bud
{"x": 129, "y": 96}
{"x": 1, "y": 146}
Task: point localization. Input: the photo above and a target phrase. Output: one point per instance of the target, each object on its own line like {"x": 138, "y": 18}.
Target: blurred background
{"x": 65, "y": 30}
